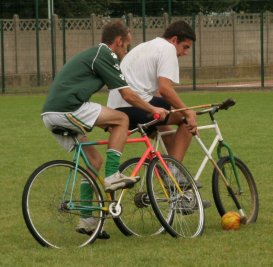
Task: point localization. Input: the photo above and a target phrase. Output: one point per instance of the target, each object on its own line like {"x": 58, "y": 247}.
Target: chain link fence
{"x": 231, "y": 51}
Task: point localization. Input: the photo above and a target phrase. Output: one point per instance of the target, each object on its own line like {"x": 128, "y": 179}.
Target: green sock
{"x": 86, "y": 193}
{"x": 112, "y": 162}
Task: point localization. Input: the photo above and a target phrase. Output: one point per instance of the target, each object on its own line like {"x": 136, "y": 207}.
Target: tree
{"x": 24, "y": 8}
{"x": 80, "y": 8}
{"x": 118, "y": 8}
{"x": 254, "y": 6}
{"x": 63, "y": 8}
{"x": 211, "y": 6}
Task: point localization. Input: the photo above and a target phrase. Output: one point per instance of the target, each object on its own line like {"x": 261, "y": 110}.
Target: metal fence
{"x": 231, "y": 50}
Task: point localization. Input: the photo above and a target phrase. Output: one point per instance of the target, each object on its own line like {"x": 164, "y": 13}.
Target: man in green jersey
{"x": 68, "y": 104}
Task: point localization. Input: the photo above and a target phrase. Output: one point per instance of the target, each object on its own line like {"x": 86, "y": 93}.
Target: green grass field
{"x": 247, "y": 127}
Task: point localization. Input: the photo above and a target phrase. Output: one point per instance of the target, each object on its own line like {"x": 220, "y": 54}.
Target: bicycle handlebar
{"x": 210, "y": 108}
{"x": 141, "y": 127}
{"x": 225, "y": 105}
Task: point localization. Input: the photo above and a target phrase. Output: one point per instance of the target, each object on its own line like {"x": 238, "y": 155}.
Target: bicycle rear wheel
{"x": 137, "y": 216}
{"x": 52, "y": 207}
{"x": 187, "y": 207}
{"x": 247, "y": 194}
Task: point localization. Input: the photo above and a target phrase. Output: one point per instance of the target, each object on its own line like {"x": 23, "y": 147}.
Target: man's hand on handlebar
{"x": 161, "y": 112}
{"x": 191, "y": 125}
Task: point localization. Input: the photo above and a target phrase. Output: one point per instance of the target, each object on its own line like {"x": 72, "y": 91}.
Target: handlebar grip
{"x": 227, "y": 104}
{"x": 156, "y": 116}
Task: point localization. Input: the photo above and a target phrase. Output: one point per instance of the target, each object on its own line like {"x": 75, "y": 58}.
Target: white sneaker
{"x": 118, "y": 180}
{"x": 180, "y": 177}
{"x": 88, "y": 225}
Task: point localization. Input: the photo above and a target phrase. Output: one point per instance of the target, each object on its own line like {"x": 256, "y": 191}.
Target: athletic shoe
{"x": 88, "y": 225}
{"x": 178, "y": 175}
{"x": 181, "y": 178}
{"x": 119, "y": 181}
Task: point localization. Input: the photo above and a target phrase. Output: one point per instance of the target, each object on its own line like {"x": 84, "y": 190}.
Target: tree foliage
{"x": 118, "y": 8}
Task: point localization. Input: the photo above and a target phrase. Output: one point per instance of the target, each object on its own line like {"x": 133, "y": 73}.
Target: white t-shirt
{"x": 142, "y": 66}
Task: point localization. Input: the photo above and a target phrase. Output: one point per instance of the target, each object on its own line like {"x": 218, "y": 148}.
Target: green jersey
{"x": 82, "y": 76}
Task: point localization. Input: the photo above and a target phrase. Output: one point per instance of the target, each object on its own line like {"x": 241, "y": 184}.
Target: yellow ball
{"x": 231, "y": 221}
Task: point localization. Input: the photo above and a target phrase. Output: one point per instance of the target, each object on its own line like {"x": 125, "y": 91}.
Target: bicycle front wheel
{"x": 137, "y": 216}
{"x": 244, "y": 189}
{"x": 181, "y": 198}
{"x": 52, "y": 205}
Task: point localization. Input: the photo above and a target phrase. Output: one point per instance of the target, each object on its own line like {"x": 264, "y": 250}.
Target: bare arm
{"x": 132, "y": 98}
{"x": 167, "y": 91}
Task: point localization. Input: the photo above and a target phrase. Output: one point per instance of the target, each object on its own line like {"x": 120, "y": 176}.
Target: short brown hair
{"x": 181, "y": 29}
{"x": 112, "y": 30}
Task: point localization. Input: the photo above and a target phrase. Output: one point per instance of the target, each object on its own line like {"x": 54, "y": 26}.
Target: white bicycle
{"x": 233, "y": 185}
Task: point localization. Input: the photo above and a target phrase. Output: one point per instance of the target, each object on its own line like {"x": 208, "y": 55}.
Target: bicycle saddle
{"x": 63, "y": 131}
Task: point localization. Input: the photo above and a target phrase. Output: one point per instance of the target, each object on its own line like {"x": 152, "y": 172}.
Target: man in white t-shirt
{"x": 150, "y": 69}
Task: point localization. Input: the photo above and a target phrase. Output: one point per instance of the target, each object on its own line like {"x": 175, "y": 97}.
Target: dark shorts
{"x": 137, "y": 115}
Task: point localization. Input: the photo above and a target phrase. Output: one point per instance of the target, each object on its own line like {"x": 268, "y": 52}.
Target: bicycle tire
{"x": 187, "y": 206}
{"x": 137, "y": 218}
{"x": 44, "y": 205}
{"x": 248, "y": 199}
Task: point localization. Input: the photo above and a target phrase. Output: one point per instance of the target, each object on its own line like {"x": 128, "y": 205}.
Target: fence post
{"x": 2, "y": 56}
{"x": 129, "y": 21}
{"x": 267, "y": 15}
{"x": 37, "y": 43}
{"x": 143, "y": 20}
{"x": 200, "y": 23}
{"x": 193, "y": 57}
{"x": 16, "y": 37}
{"x": 53, "y": 44}
{"x": 64, "y": 40}
{"x": 262, "y": 47}
{"x": 234, "y": 43}
{"x": 93, "y": 27}
{"x": 170, "y": 10}
{"x": 165, "y": 20}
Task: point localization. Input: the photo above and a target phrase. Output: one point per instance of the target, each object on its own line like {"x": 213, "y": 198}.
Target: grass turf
{"x": 25, "y": 144}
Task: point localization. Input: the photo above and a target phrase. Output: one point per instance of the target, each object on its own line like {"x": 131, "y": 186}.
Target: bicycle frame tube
{"x": 148, "y": 153}
{"x": 158, "y": 154}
